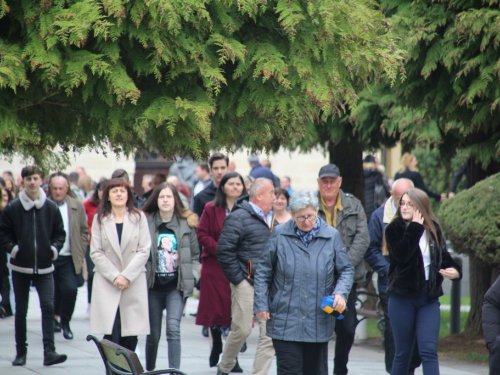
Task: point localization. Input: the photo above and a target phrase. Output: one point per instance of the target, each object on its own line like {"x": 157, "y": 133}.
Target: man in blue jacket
{"x": 32, "y": 231}
{"x": 380, "y": 263}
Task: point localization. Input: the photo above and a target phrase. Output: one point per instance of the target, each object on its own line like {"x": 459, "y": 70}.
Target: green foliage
{"x": 452, "y": 74}
{"x": 478, "y": 237}
{"x": 178, "y": 75}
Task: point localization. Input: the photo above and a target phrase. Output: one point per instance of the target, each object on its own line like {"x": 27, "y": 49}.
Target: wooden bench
{"x": 121, "y": 361}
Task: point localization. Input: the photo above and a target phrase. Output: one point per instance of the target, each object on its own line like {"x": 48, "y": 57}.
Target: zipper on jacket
{"x": 35, "y": 270}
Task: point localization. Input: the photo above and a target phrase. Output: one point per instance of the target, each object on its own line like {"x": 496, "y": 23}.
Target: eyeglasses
{"x": 309, "y": 218}
{"x": 406, "y": 204}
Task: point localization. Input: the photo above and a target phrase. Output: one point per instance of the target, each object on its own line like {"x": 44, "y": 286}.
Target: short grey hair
{"x": 258, "y": 184}
{"x": 302, "y": 199}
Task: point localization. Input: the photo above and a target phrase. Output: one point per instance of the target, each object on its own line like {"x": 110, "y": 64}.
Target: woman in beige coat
{"x": 120, "y": 247}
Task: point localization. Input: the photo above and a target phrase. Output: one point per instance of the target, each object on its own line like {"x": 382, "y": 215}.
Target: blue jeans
{"x": 44, "y": 285}
{"x": 173, "y": 301}
{"x": 415, "y": 316}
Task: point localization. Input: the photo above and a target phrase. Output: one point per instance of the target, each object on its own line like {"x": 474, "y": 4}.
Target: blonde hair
{"x": 85, "y": 183}
{"x": 406, "y": 160}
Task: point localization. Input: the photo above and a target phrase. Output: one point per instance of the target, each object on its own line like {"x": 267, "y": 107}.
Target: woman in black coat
{"x": 409, "y": 170}
{"x": 419, "y": 260}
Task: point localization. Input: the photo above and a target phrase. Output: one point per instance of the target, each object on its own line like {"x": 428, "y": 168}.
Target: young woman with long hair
{"x": 172, "y": 268}
{"x": 214, "y": 309}
{"x": 119, "y": 248}
{"x": 419, "y": 260}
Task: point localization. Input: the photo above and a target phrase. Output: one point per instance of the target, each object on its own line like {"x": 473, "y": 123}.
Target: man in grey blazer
{"x": 69, "y": 265}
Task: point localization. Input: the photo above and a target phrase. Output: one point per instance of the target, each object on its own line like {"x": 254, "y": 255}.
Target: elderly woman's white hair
{"x": 302, "y": 199}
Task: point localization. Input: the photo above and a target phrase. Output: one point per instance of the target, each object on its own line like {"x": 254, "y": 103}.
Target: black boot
{"x": 216, "y": 346}
{"x": 68, "y": 335}
{"x": 20, "y": 359}
{"x": 57, "y": 326}
{"x": 237, "y": 367}
{"x": 52, "y": 358}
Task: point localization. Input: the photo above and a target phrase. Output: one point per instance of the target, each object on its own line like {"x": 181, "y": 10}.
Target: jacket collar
{"x": 28, "y": 204}
{"x": 109, "y": 225}
{"x": 287, "y": 229}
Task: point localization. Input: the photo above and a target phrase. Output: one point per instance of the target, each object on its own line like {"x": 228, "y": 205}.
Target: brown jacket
{"x": 78, "y": 232}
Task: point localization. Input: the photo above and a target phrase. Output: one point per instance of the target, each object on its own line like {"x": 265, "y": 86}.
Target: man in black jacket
{"x": 218, "y": 168}
{"x": 32, "y": 231}
{"x": 491, "y": 325}
{"x": 241, "y": 243}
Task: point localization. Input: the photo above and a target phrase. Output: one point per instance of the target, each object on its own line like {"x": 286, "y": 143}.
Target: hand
{"x": 443, "y": 197}
{"x": 121, "y": 282}
{"x": 451, "y": 194}
{"x": 339, "y": 302}
{"x": 450, "y": 273}
{"x": 417, "y": 216}
{"x": 264, "y": 315}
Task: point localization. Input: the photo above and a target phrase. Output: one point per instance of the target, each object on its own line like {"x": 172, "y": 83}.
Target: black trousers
{"x": 389, "y": 339}
{"x": 44, "y": 285}
{"x": 129, "y": 342}
{"x": 66, "y": 287}
{"x": 90, "y": 274}
{"x": 494, "y": 348}
{"x": 345, "y": 330}
{"x": 5, "y": 292}
{"x": 301, "y": 358}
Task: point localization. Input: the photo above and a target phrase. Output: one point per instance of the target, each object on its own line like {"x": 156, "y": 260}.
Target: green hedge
{"x": 471, "y": 220}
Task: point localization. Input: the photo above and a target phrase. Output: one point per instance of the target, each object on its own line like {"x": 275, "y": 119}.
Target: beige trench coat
{"x": 112, "y": 259}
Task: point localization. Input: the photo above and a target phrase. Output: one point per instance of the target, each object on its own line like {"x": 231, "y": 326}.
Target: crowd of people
{"x": 257, "y": 250}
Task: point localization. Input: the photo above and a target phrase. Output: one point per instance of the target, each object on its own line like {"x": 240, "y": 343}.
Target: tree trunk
{"x": 348, "y": 156}
{"x": 481, "y": 273}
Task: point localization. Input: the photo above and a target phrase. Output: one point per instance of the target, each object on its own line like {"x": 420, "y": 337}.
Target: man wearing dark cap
{"x": 345, "y": 213}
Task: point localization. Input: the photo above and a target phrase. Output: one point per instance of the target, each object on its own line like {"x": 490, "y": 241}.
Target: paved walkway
{"x": 83, "y": 358}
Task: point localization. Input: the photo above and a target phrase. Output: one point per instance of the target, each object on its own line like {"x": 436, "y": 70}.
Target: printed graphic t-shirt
{"x": 167, "y": 259}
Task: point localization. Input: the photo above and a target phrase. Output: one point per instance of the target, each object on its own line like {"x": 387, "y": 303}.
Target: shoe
{"x": 52, "y": 358}
{"x": 237, "y": 367}
{"x": 243, "y": 348}
{"x": 204, "y": 331}
{"x": 215, "y": 354}
{"x": 219, "y": 372}
{"x": 57, "y": 326}
{"x": 66, "y": 330}
{"x": 3, "y": 313}
{"x": 20, "y": 360}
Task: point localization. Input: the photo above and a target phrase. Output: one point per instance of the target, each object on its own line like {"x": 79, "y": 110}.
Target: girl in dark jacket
{"x": 419, "y": 260}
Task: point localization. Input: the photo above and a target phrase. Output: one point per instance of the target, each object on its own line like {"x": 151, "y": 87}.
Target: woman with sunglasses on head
{"x": 119, "y": 248}
{"x": 419, "y": 260}
{"x": 172, "y": 268}
{"x": 214, "y": 309}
